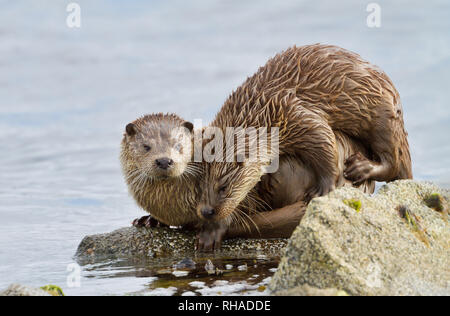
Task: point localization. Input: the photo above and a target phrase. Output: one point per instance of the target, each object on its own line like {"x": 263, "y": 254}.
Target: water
{"x": 67, "y": 94}
{"x": 247, "y": 275}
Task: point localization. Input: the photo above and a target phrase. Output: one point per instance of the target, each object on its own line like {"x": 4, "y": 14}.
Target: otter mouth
{"x": 165, "y": 174}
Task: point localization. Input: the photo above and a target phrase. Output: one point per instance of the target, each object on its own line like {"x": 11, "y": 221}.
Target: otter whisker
{"x": 251, "y": 221}
{"x": 259, "y": 203}
{"x": 242, "y": 221}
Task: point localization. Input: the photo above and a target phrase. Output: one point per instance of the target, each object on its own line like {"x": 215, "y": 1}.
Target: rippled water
{"x": 66, "y": 95}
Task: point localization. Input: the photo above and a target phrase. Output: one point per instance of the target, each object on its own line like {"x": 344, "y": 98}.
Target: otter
{"x": 310, "y": 93}
{"x": 156, "y": 160}
{"x": 158, "y": 169}
{"x": 284, "y": 199}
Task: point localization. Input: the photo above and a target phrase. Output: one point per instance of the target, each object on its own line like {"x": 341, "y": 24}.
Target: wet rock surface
{"x": 393, "y": 243}
{"x": 162, "y": 242}
{"x": 166, "y": 259}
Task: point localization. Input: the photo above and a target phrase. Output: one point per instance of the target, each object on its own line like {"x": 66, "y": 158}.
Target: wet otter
{"x": 157, "y": 165}
{"x": 310, "y": 93}
{"x": 170, "y": 191}
{"x": 283, "y": 197}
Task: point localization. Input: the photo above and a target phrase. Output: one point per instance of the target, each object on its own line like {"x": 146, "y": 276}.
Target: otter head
{"x": 157, "y": 146}
{"x": 226, "y": 185}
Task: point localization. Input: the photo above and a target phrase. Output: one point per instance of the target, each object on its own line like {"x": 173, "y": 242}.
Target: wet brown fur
{"x": 171, "y": 200}
{"x": 308, "y": 92}
{"x": 282, "y": 195}
{"x": 265, "y": 212}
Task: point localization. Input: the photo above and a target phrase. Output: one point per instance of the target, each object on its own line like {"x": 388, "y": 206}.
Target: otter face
{"x": 226, "y": 186}
{"x": 158, "y": 146}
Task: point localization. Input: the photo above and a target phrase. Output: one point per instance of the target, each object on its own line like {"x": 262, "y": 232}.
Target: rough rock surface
{"x": 306, "y": 290}
{"x": 389, "y": 244}
{"x": 156, "y": 242}
{"x": 22, "y": 290}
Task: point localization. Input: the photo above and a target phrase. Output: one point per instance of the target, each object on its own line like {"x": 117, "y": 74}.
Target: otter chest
{"x": 172, "y": 203}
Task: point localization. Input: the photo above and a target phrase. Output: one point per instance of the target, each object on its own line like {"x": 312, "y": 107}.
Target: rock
{"x": 22, "y": 290}
{"x": 306, "y": 290}
{"x": 159, "y": 242}
{"x": 391, "y": 244}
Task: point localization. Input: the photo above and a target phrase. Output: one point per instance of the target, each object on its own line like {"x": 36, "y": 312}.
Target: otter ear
{"x": 131, "y": 129}
{"x": 188, "y": 125}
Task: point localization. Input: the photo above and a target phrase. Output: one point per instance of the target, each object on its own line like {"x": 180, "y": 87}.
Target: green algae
{"x": 435, "y": 201}
{"x": 413, "y": 222}
{"x": 53, "y": 290}
{"x": 354, "y": 204}
{"x": 438, "y": 203}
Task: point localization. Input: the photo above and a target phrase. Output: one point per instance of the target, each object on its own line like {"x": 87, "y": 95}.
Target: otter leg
{"x": 279, "y": 223}
{"x": 358, "y": 169}
{"x": 210, "y": 236}
{"x": 148, "y": 222}
{"x": 388, "y": 140}
{"x": 311, "y": 138}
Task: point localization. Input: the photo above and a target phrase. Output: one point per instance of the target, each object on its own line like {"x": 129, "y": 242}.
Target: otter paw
{"x": 148, "y": 222}
{"x": 358, "y": 169}
{"x": 210, "y": 238}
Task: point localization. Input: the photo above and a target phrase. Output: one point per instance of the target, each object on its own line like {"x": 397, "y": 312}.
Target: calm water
{"x": 66, "y": 95}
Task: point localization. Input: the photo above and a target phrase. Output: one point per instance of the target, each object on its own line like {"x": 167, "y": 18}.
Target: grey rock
{"x": 306, "y": 290}
{"x": 163, "y": 242}
{"x": 378, "y": 250}
{"x": 22, "y": 290}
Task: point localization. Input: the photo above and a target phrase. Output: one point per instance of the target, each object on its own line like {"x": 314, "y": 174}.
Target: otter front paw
{"x": 358, "y": 169}
{"x": 148, "y": 222}
{"x": 210, "y": 237}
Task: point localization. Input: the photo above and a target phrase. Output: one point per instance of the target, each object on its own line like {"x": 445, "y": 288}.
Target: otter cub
{"x": 310, "y": 93}
{"x": 156, "y": 162}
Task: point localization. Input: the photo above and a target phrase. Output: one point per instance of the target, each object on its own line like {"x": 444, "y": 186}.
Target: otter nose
{"x": 208, "y": 212}
{"x": 164, "y": 163}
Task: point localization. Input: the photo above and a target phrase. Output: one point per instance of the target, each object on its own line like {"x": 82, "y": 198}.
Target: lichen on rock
{"x": 436, "y": 202}
{"x": 354, "y": 204}
{"x": 53, "y": 290}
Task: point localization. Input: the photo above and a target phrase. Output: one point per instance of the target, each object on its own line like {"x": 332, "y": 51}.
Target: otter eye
{"x": 178, "y": 147}
{"x": 147, "y": 148}
{"x": 222, "y": 189}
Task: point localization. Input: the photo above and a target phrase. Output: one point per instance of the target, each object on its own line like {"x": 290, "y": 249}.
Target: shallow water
{"x": 225, "y": 275}
{"x": 66, "y": 95}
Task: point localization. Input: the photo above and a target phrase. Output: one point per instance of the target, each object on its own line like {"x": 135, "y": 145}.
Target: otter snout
{"x": 207, "y": 212}
{"x": 164, "y": 163}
